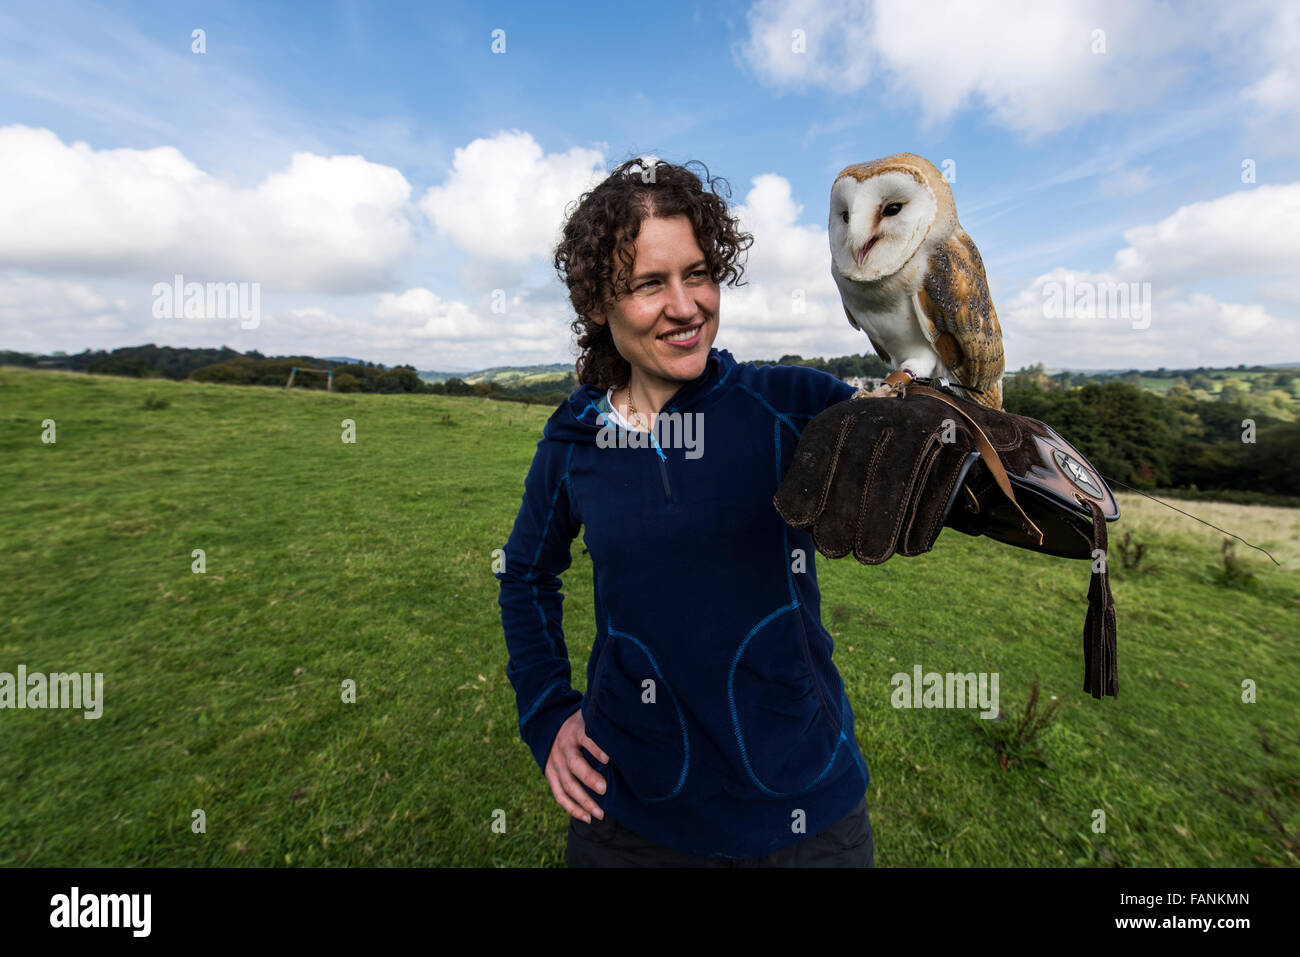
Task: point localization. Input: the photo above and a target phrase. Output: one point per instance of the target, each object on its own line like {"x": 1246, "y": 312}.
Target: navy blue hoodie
{"x": 710, "y": 683}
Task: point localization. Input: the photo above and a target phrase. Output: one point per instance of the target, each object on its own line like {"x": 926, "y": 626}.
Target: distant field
{"x": 516, "y": 379}
{"x": 1162, "y": 383}
{"x": 509, "y": 378}
{"x": 371, "y": 562}
{"x": 1155, "y": 384}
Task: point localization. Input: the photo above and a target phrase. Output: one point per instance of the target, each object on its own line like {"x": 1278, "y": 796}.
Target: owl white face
{"x": 878, "y": 224}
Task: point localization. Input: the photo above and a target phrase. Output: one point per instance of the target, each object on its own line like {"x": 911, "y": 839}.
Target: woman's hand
{"x": 567, "y": 770}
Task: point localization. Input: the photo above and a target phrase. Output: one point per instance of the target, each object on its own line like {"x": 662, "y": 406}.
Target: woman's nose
{"x": 681, "y": 304}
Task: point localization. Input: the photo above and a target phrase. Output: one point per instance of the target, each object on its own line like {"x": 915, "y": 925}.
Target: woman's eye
{"x": 892, "y": 209}
{"x": 650, "y": 282}
{"x": 845, "y": 215}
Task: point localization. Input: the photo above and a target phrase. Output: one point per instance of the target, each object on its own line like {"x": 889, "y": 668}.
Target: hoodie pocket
{"x": 788, "y": 738}
{"x": 636, "y": 719}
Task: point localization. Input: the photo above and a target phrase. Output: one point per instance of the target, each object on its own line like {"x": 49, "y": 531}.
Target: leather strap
{"x": 991, "y": 459}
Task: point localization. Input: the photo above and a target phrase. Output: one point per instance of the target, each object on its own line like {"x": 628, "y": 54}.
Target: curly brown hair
{"x": 606, "y": 221}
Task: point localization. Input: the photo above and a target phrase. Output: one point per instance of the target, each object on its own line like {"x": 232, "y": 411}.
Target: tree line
{"x": 1148, "y": 440}
{"x": 1244, "y": 438}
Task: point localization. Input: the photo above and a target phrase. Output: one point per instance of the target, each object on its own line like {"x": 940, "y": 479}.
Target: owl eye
{"x": 845, "y": 215}
{"x": 892, "y": 209}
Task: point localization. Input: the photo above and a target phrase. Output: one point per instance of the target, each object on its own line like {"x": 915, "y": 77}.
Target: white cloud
{"x": 504, "y": 199}
{"x": 1279, "y": 290}
{"x": 336, "y": 223}
{"x": 835, "y": 36}
{"x": 787, "y": 267}
{"x": 421, "y": 328}
{"x": 422, "y": 314}
{"x": 314, "y": 235}
{"x": 1184, "y": 329}
{"x": 35, "y": 310}
{"x": 1248, "y": 240}
{"x": 1034, "y": 67}
{"x": 1254, "y": 230}
{"x": 784, "y": 253}
{"x": 1277, "y": 91}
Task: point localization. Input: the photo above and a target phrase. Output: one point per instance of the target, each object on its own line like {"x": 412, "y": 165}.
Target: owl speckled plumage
{"x": 910, "y": 277}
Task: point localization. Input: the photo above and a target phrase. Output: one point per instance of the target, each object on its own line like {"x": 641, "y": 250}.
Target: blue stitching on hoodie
{"x": 717, "y": 385}
{"x": 788, "y": 419}
{"x": 776, "y": 441}
{"x": 532, "y": 567}
{"x": 546, "y": 527}
{"x": 568, "y": 484}
{"x": 681, "y": 719}
{"x": 857, "y": 758}
{"x": 600, "y": 416}
{"x": 658, "y": 450}
{"x": 536, "y": 704}
{"x": 535, "y": 599}
{"x": 604, "y": 419}
{"x": 768, "y": 406}
{"x": 735, "y": 719}
{"x": 785, "y": 529}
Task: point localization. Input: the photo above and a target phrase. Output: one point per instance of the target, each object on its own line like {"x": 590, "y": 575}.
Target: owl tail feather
{"x": 1101, "y": 676}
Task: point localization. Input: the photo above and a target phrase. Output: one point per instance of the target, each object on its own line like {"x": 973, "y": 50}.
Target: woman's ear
{"x": 597, "y": 318}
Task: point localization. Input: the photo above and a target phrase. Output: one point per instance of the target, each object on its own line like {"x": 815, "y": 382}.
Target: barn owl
{"x": 910, "y": 277}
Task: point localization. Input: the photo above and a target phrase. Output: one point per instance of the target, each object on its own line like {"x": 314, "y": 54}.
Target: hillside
{"x": 370, "y": 562}
{"x": 506, "y": 375}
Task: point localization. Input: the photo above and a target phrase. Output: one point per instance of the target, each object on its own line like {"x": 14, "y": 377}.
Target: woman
{"x": 714, "y": 730}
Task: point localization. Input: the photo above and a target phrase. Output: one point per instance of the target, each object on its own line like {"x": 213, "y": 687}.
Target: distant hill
{"x": 153, "y": 361}
{"x": 508, "y": 376}
{"x": 1153, "y": 373}
{"x": 543, "y": 382}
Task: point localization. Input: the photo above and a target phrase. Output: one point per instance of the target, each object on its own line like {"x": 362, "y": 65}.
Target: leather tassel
{"x": 1101, "y": 676}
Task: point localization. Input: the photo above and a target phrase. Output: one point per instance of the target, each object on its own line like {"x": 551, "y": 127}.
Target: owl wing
{"x": 874, "y": 344}
{"x": 956, "y": 314}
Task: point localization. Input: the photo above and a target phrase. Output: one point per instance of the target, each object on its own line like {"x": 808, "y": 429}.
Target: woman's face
{"x": 671, "y": 292}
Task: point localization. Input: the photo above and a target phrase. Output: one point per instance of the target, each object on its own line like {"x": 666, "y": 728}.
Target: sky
{"x": 388, "y": 180}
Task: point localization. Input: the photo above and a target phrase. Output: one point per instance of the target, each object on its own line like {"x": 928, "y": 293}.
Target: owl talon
{"x": 881, "y": 392}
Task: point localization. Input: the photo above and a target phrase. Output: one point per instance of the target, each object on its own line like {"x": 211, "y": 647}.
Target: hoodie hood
{"x": 584, "y": 413}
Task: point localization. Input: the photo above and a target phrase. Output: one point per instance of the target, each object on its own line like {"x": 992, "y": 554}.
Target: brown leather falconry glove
{"x": 874, "y": 476}
{"x": 877, "y": 476}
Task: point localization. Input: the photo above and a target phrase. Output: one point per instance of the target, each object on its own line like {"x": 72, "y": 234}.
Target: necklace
{"x": 634, "y": 418}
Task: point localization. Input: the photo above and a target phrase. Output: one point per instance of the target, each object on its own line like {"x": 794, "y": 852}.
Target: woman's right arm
{"x": 536, "y": 554}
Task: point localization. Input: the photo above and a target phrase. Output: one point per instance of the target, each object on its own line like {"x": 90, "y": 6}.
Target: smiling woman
{"x": 666, "y": 326}
{"x": 643, "y": 254}
{"x": 713, "y": 710}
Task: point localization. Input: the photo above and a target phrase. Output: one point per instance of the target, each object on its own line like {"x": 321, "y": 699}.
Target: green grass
{"x": 519, "y": 378}
{"x": 372, "y": 562}
{"x": 1157, "y": 384}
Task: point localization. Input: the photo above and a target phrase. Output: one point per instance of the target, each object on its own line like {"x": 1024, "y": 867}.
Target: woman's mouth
{"x": 683, "y": 338}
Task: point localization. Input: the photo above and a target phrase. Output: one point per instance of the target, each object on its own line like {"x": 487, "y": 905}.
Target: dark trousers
{"x": 606, "y": 843}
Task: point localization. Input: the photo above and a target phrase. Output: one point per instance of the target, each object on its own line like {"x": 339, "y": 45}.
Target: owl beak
{"x": 862, "y": 256}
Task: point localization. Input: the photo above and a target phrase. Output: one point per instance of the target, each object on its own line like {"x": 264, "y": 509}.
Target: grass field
{"x": 371, "y": 562}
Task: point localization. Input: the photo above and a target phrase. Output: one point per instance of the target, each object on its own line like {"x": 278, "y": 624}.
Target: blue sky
{"x": 394, "y": 187}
